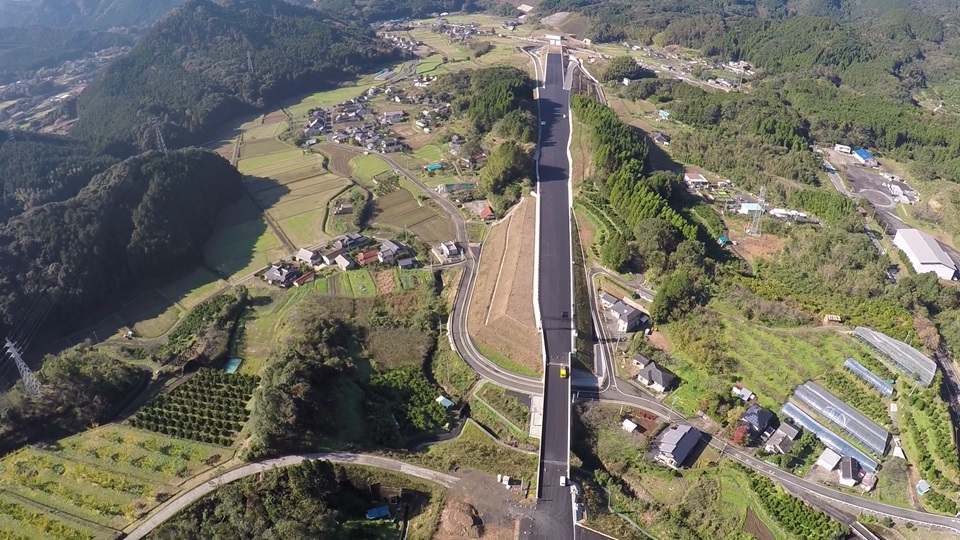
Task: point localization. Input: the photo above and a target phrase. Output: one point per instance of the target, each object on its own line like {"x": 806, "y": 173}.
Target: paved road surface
{"x": 554, "y": 518}
{"x": 200, "y": 491}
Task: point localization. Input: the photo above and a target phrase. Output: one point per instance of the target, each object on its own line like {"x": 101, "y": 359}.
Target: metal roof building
{"x": 925, "y": 253}
{"x": 903, "y": 356}
{"x": 830, "y": 439}
{"x": 870, "y": 377}
{"x": 848, "y": 419}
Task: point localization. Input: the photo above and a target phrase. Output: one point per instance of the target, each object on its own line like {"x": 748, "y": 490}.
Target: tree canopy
{"x": 142, "y": 218}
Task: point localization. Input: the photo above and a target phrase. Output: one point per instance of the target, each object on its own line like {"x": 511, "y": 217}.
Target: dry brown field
{"x": 501, "y": 312}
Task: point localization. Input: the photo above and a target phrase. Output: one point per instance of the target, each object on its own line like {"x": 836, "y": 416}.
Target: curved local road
{"x": 195, "y": 494}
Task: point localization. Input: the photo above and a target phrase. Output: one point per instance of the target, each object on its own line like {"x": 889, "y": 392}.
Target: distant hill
{"x": 36, "y": 169}
{"x": 146, "y": 217}
{"x": 191, "y": 69}
{"x": 381, "y": 10}
{"x": 25, "y": 50}
{"x": 89, "y": 14}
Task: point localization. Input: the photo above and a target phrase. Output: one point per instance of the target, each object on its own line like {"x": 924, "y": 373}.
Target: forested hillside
{"x": 191, "y": 70}
{"x": 24, "y": 50}
{"x": 36, "y": 169}
{"x": 141, "y": 218}
{"x": 96, "y": 14}
{"x": 382, "y": 10}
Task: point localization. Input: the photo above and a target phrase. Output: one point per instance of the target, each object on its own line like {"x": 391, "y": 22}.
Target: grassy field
{"x": 506, "y": 404}
{"x": 193, "y": 288}
{"x": 475, "y": 450}
{"x": 429, "y": 65}
{"x": 430, "y": 153}
{"x": 242, "y": 249}
{"x": 367, "y": 167}
{"x": 770, "y": 362}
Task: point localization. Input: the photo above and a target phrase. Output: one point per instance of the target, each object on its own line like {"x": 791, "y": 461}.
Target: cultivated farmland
{"x": 771, "y": 362}
{"x": 400, "y": 210}
{"x": 210, "y": 408}
{"x": 501, "y": 314}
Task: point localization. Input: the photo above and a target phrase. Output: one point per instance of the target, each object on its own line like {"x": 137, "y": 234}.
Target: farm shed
{"x": 902, "y": 356}
{"x": 925, "y": 253}
{"x": 848, "y": 419}
{"x": 865, "y": 157}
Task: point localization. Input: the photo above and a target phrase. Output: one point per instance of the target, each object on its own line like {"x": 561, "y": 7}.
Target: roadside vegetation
{"x": 314, "y": 499}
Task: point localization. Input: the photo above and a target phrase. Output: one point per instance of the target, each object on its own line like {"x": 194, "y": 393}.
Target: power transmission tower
{"x": 755, "y": 225}
{"x": 250, "y": 62}
{"x": 161, "y": 144}
{"x": 30, "y": 381}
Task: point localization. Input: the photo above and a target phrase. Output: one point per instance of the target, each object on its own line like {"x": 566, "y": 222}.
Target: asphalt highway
{"x": 554, "y": 518}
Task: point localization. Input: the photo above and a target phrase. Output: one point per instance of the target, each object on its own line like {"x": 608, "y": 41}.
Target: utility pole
{"x": 30, "y": 381}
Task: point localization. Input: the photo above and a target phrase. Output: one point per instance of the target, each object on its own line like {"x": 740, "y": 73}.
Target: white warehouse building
{"x": 925, "y": 253}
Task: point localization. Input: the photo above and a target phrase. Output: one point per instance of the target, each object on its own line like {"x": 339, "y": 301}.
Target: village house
{"x": 695, "y": 178}
{"x": 393, "y": 117}
{"x": 628, "y": 317}
{"x": 782, "y": 439}
{"x": 448, "y": 251}
{"x": 658, "y": 378}
{"x": 307, "y": 256}
{"x": 661, "y": 138}
{"x": 487, "y": 213}
{"x": 344, "y": 262}
{"x": 849, "y": 473}
{"x": 367, "y": 257}
{"x": 676, "y": 444}
{"x": 757, "y": 419}
{"x": 388, "y": 251}
{"x": 607, "y": 300}
{"x": 408, "y": 263}
{"x": 280, "y": 275}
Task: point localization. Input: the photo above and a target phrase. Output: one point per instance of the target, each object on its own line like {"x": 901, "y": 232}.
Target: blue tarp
{"x": 232, "y": 365}
{"x": 434, "y": 167}
{"x": 863, "y": 154}
{"x": 378, "y": 513}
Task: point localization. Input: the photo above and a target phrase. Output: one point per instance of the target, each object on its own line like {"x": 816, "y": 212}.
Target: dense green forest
{"x": 498, "y": 102}
{"x": 314, "y": 499}
{"x": 190, "y": 71}
{"x": 145, "y": 217}
{"x": 25, "y": 50}
{"x": 36, "y": 169}
{"x": 92, "y": 14}
{"x": 80, "y": 388}
{"x": 327, "y": 383}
